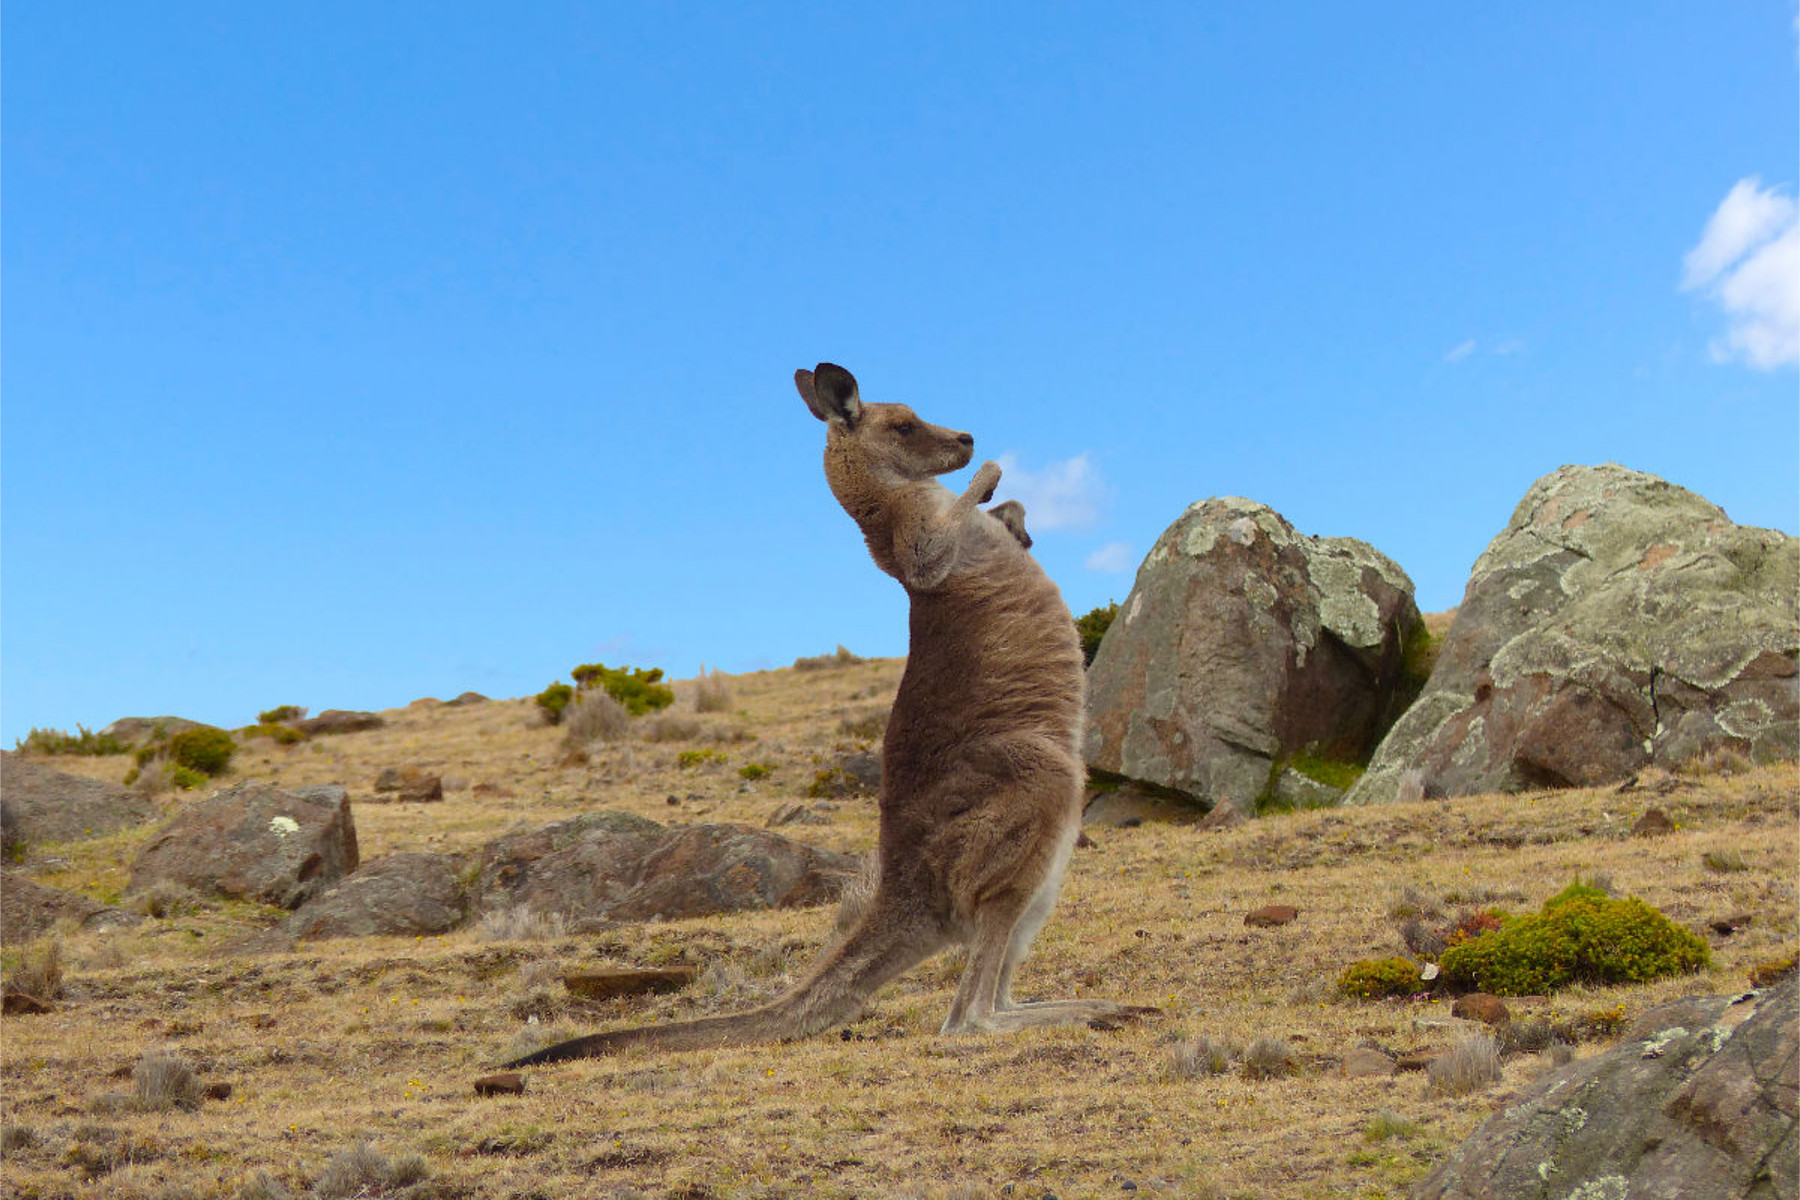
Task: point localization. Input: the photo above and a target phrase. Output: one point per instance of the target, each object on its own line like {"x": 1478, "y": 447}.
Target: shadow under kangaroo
{"x": 982, "y": 775}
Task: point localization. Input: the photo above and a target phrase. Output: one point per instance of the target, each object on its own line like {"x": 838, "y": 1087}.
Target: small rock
{"x": 605, "y": 985}
{"x": 795, "y": 814}
{"x": 17, "y": 1004}
{"x": 1479, "y": 1006}
{"x": 1726, "y": 926}
{"x": 505, "y": 1083}
{"x": 1654, "y": 823}
{"x": 1363, "y": 1062}
{"x": 1270, "y": 915}
{"x": 1417, "y": 1060}
{"x": 1224, "y": 815}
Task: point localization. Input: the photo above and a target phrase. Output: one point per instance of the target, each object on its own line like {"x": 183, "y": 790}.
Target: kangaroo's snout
{"x": 967, "y": 439}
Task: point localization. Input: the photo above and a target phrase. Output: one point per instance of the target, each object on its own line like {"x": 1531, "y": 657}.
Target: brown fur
{"x": 982, "y": 773}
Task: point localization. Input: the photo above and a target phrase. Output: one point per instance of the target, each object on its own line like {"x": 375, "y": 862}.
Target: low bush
{"x": 162, "y": 1081}
{"x": 596, "y": 717}
{"x": 83, "y": 741}
{"x": 1471, "y": 1065}
{"x": 840, "y": 658}
{"x": 1581, "y": 936}
{"x": 1270, "y": 1058}
{"x": 552, "y": 702}
{"x": 185, "y": 779}
{"x": 755, "y": 770}
{"x": 205, "y": 750}
{"x": 639, "y": 690}
{"x": 711, "y": 693}
{"x": 1091, "y": 628}
{"x": 281, "y": 714}
{"x": 1376, "y": 977}
{"x": 1200, "y": 1057}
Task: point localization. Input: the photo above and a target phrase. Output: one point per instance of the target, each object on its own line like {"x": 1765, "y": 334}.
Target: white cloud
{"x": 1748, "y": 262}
{"x": 1059, "y": 495}
{"x": 1114, "y": 557}
{"x": 1459, "y": 352}
{"x": 1510, "y": 347}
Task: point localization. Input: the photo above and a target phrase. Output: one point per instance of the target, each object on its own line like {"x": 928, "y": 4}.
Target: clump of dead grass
{"x": 166, "y": 898}
{"x": 39, "y": 974}
{"x": 161, "y": 1081}
{"x": 1387, "y": 1124}
{"x": 838, "y": 658}
{"x": 518, "y": 923}
{"x": 1270, "y": 1058}
{"x": 711, "y": 693}
{"x": 263, "y": 1186}
{"x": 363, "y": 1170}
{"x": 595, "y": 717}
{"x": 1197, "y": 1058}
{"x": 1470, "y": 1065}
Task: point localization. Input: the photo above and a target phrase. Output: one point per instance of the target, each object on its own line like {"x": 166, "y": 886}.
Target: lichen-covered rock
{"x": 615, "y": 866}
{"x": 255, "y": 842}
{"x": 41, "y": 804}
{"x": 408, "y": 894}
{"x": 1241, "y": 644}
{"x": 1617, "y": 621}
{"x": 1699, "y": 1099}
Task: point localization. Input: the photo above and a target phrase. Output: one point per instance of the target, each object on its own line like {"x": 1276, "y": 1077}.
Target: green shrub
{"x": 755, "y": 770}
{"x": 693, "y": 758}
{"x": 1374, "y": 977}
{"x": 55, "y": 741}
{"x": 281, "y": 714}
{"x": 553, "y": 700}
{"x": 205, "y": 750}
{"x": 640, "y": 690}
{"x": 185, "y": 779}
{"x": 1092, "y": 627}
{"x": 1581, "y": 936}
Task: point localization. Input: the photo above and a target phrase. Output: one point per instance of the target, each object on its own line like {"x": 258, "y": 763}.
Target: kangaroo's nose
{"x": 967, "y": 439}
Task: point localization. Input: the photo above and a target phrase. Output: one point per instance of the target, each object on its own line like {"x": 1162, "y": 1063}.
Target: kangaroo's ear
{"x": 830, "y": 392}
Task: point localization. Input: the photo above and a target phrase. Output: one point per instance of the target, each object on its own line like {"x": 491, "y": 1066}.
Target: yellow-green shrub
{"x": 1581, "y": 936}
{"x": 1373, "y": 977}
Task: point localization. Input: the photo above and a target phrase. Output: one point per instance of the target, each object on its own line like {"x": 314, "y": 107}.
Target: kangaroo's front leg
{"x": 925, "y": 546}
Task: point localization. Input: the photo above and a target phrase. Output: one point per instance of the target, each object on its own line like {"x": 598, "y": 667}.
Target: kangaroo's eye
{"x": 905, "y": 429}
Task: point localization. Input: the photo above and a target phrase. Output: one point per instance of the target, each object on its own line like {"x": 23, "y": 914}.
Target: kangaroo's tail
{"x": 830, "y": 993}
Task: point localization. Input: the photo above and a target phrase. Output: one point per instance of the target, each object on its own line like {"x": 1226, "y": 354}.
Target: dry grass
{"x": 377, "y": 1040}
{"x": 1469, "y": 1066}
{"x": 593, "y": 716}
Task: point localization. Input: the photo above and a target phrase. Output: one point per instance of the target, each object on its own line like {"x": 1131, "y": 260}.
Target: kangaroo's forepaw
{"x": 985, "y": 481}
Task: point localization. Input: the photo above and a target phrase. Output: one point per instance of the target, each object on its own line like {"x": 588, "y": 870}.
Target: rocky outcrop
{"x": 1618, "y": 621}
{"x": 337, "y": 720}
{"x": 29, "y": 909}
{"x": 1697, "y": 1100}
{"x": 1244, "y": 643}
{"x": 615, "y": 866}
{"x": 255, "y": 842}
{"x": 41, "y": 804}
{"x": 134, "y": 731}
{"x": 397, "y": 895}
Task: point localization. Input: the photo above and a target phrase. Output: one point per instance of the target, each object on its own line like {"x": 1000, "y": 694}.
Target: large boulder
{"x": 29, "y": 909}
{"x": 338, "y": 720}
{"x": 1242, "y": 644}
{"x": 1618, "y": 621}
{"x": 615, "y": 866}
{"x": 135, "y": 730}
{"x": 255, "y": 842}
{"x": 41, "y": 804}
{"x": 397, "y": 895}
{"x": 1698, "y": 1100}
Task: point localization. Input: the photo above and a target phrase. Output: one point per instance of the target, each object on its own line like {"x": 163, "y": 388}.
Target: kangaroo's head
{"x": 871, "y": 449}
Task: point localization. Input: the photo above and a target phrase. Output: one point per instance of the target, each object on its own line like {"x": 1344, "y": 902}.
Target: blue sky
{"x": 356, "y": 353}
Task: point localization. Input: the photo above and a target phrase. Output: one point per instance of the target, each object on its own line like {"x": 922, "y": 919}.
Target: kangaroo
{"x": 981, "y": 769}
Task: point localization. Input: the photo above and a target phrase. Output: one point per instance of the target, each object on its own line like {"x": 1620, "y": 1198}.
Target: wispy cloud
{"x": 1058, "y": 495}
{"x": 1460, "y": 351}
{"x": 1114, "y": 557}
{"x": 1508, "y": 347}
{"x": 1748, "y": 262}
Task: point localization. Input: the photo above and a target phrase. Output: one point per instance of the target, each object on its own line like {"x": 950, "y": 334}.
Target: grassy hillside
{"x": 376, "y": 1041}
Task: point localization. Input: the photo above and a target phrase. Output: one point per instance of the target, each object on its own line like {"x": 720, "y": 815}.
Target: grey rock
{"x": 29, "y": 909}
{"x": 41, "y": 804}
{"x": 1618, "y": 621}
{"x": 135, "y": 731}
{"x": 337, "y": 720}
{"x": 1241, "y": 644}
{"x": 1699, "y": 1099}
{"x": 255, "y": 842}
{"x": 469, "y": 698}
{"x": 396, "y": 895}
{"x": 615, "y": 866}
